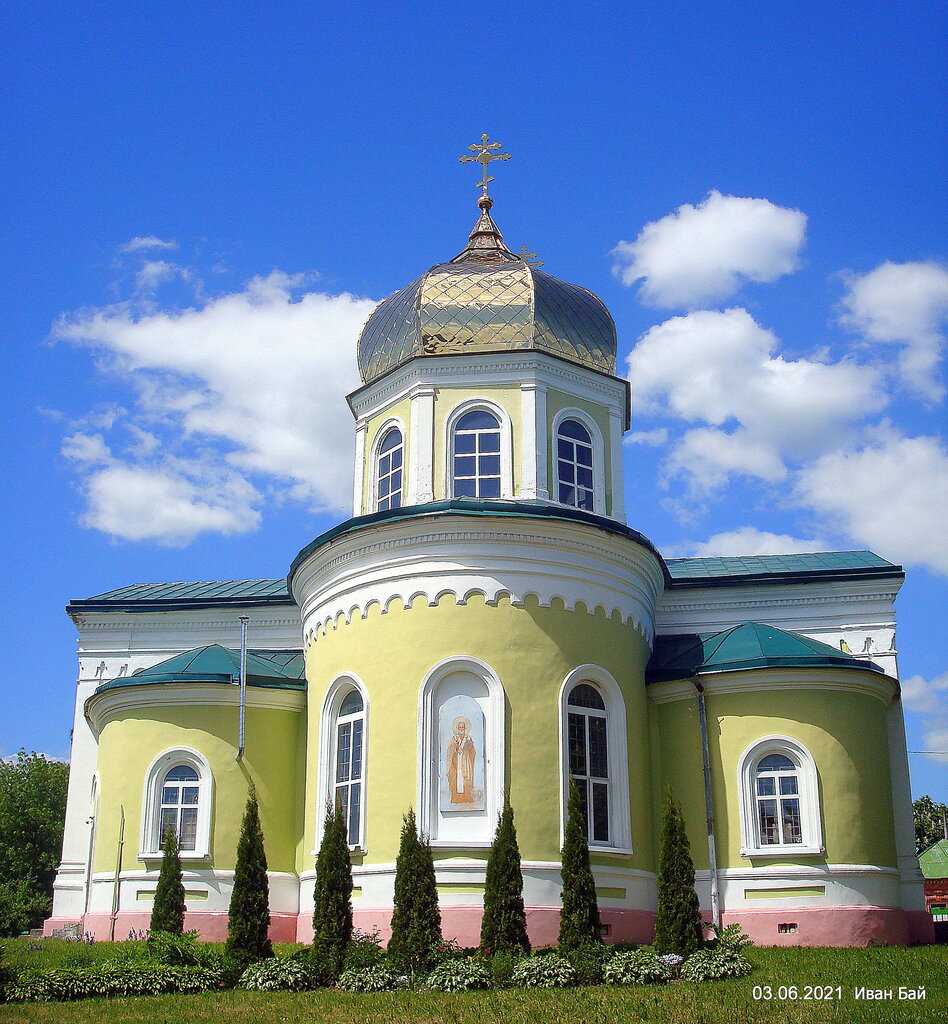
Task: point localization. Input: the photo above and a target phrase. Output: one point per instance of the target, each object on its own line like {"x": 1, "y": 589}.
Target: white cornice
{"x": 883, "y": 688}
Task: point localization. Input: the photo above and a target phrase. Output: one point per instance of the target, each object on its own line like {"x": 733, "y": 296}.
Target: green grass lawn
{"x": 731, "y": 1002}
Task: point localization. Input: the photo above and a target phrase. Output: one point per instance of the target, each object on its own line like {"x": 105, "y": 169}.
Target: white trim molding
{"x": 811, "y": 828}
{"x": 620, "y": 826}
{"x": 150, "y": 840}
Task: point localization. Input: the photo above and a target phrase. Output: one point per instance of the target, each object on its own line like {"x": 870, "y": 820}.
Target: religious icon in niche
{"x": 461, "y": 760}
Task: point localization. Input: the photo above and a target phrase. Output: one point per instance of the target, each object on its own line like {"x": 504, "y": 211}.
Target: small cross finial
{"x": 529, "y": 257}
{"x": 485, "y": 152}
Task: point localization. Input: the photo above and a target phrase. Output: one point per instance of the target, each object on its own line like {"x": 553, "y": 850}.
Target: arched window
{"x": 476, "y": 455}
{"x": 780, "y": 799}
{"x": 574, "y": 465}
{"x": 388, "y": 481}
{"x": 587, "y": 744}
{"x": 177, "y": 794}
{"x": 349, "y": 751}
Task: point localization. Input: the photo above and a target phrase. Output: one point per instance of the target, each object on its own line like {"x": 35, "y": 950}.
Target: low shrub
{"x": 446, "y": 949}
{"x": 118, "y": 980}
{"x": 637, "y": 967}
{"x": 278, "y": 974}
{"x": 730, "y": 937}
{"x": 364, "y": 950}
{"x": 502, "y": 965}
{"x": 371, "y": 979}
{"x": 714, "y": 964}
{"x": 549, "y": 970}
{"x": 459, "y": 976}
{"x": 588, "y": 960}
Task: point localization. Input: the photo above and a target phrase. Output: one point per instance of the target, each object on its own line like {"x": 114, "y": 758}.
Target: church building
{"x": 488, "y": 621}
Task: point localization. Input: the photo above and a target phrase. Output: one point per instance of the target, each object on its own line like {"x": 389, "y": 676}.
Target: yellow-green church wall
{"x": 556, "y": 402}
{"x": 844, "y": 731}
{"x": 400, "y": 410}
{"x": 273, "y": 760}
{"x": 531, "y": 649}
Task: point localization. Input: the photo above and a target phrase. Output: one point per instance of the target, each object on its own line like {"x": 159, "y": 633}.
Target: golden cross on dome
{"x": 485, "y": 152}
{"x": 529, "y": 257}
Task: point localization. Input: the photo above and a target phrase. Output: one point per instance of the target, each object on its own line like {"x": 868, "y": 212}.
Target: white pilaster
{"x": 421, "y": 446}
{"x": 535, "y": 443}
{"x": 358, "y": 476}
{"x": 912, "y": 882}
{"x": 618, "y": 475}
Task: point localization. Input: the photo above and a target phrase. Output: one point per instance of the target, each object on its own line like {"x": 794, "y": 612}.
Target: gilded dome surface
{"x": 487, "y": 299}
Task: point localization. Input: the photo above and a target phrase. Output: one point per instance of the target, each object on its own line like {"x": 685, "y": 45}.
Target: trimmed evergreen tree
{"x": 678, "y": 926}
{"x": 332, "y": 916}
{"x": 249, "y": 915}
{"x": 167, "y": 912}
{"x": 504, "y": 925}
{"x": 416, "y": 918}
{"x": 579, "y": 915}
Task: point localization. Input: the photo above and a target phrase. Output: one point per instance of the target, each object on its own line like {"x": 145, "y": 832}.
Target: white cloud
{"x": 246, "y": 386}
{"x": 904, "y": 304}
{"x": 704, "y": 253}
{"x": 653, "y": 438}
{"x": 720, "y": 368}
{"x": 930, "y": 698}
{"x": 153, "y": 272}
{"x": 747, "y": 540}
{"x": 142, "y": 242}
{"x": 890, "y": 495}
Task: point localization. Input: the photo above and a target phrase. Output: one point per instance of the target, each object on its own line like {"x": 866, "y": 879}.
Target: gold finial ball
{"x": 485, "y": 202}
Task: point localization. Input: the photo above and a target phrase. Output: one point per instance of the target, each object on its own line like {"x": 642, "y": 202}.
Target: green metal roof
{"x": 747, "y": 646}
{"x": 934, "y": 860}
{"x": 217, "y": 593}
{"x": 799, "y": 568}
{"x": 216, "y": 664}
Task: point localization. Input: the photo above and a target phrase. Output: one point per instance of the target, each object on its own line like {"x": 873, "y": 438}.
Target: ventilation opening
{"x": 786, "y": 929}
{"x": 606, "y": 930}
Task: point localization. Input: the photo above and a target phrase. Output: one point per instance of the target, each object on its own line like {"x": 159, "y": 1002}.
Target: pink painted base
{"x": 212, "y": 927}
{"x": 829, "y": 926}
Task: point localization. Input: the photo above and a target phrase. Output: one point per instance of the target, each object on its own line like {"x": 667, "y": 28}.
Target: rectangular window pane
{"x": 464, "y": 443}
{"x": 395, "y": 501}
{"x": 597, "y": 748}
{"x": 489, "y": 465}
{"x": 585, "y": 501}
{"x": 343, "y": 740}
{"x": 566, "y": 472}
{"x": 490, "y": 488}
{"x": 189, "y": 795}
{"x": 385, "y": 465}
{"x": 792, "y": 827}
{"x": 567, "y": 494}
{"x": 357, "y": 749}
{"x": 355, "y": 798}
{"x": 397, "y": 480}
{"x": 397, "y": 459}
{"x": 489, "y": 442}
{"x": 584, "y": 477}
{"x": 582, "y": 786}
{"x": 384, "y": 503}
{"x": 465, "y": 488}
{"x": 576, "y": 732}
{"x": 564, "y": 449}
{"x": 465, "y": 465}
{"x": 765, "y": 786}
{"x": 600, "y": 822}
{"x": 584, "y": 456}
{"x": 189, "y": 820}
{"x": 385, "y": 485}
{"x": 169, "y": 795}
{"x": 788, "y": 785}
{"x": 767, "y": 810}
{"x": 169, "y": 816}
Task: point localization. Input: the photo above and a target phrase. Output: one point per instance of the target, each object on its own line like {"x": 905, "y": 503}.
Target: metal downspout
{"x": 708, "y": 806}
{"x": 243, "y": 684}
{"x": 116, "y": 885}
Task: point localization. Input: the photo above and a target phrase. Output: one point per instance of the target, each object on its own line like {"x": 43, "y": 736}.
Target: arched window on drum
{"x": 388, "y": 480}
{"x": 574, "y": 465}
{"x": 476, "y": 455}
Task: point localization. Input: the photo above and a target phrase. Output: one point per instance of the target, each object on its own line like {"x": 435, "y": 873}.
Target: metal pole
{"x": 116, "y": 885}
{"x": 244, "y": 619}
{"x": 708, "y": 806}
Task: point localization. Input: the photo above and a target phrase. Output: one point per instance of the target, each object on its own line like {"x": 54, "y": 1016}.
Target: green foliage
{"x": 459, "y": 976}
{"x": 281, "y": 974}
{"x": 117, "y": 980}
{"x": 167, "y": 913}
{"x": 364, "y": 950}
{"x": 332, "y": 916}
{"x": 929, "y": 822}
{"x": 502, "y": 965}
{"x": 249, "y": 915}
{"x": 638, "y": 967}
{"x": 588, "y": 961}
{"x": 32, "y": 815}
{"x": 731, "y": 937}
{"x": 416, "y": 919}
{"x": 550, "y": 971}
{"x": 715, "y": 964}
{"x": 678, "y": 925}
{"x": 579, "y": 916}
{"x": 371, "y": 979}
{"x": 504, "y": 924}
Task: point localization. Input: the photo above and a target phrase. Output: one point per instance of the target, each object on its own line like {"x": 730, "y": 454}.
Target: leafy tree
{"x": 929, "y": 822}
{"x": 678, "y": 926}
{"x": 504, "y": 925}
{"x": 332, "y": 916}
{"x": 579, "y": 915}
{"x": 416, "y": 918}
{"x": 249, "y": 915}
{"x": 32, "y": 815}
{"x": 167, "y": 914}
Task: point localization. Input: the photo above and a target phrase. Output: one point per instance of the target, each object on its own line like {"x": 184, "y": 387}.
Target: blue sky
{"x": 203, "y": 204}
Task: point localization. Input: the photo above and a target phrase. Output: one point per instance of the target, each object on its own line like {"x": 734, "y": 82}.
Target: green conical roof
{"x": 934, "y": 860}
{"x": 749, "y": 645}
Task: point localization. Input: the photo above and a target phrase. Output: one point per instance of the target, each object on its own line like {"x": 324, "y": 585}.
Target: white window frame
{"x": 373, "y": 461}
{"x": 620, "y": 825}
{"x": 598, "y": 454}
{"x": 810, "y": 818}
{"x": 506, "y": 444}
{"x": 150, "y": 841}
{"x": 429, "y": 767}
{"x": 339, "y": 688}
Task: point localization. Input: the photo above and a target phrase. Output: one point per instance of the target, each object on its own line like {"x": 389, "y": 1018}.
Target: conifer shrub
{"x": 504, "y": 924}
{"x": 332, "y": 914}
{"x": 167, "y": 912}
{"x": 579, "y": 915}
{"x": 678, "y": 926}
{"x": 249, "y": 915}
{"x": 416, "y": 918}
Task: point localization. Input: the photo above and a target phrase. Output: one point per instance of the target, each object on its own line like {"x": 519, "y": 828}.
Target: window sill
{"x": 783, "y": 851}
{"x": 191, "y": 855}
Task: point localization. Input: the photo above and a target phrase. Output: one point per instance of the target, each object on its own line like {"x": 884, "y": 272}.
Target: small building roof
{"x": 210, "y": 593}
{"x": 934, "y": 860}
{"x": 216, "y": 664}
{"x": 740, "y": 570}
{"x": 747, "y": 646}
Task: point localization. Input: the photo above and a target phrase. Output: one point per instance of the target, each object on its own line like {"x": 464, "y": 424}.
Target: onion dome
{"x": 487, "y": 299}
